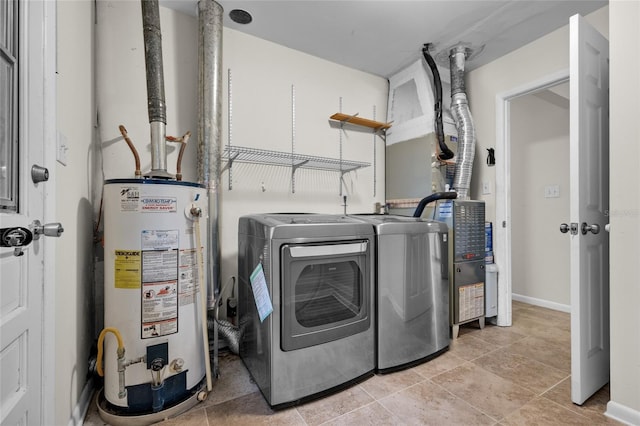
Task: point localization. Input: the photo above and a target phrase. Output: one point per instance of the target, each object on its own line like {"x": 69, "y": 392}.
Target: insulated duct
{"x": 464, "y": 123}
{"x": 210, "y": 129}
{"x": 155, "y": 88}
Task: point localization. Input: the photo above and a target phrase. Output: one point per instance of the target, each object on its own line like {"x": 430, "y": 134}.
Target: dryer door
{"x": 326, "y": 291}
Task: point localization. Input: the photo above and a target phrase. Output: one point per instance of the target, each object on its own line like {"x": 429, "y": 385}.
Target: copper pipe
{"x": 183, "y": 141}
{"x": 125, "y": 135}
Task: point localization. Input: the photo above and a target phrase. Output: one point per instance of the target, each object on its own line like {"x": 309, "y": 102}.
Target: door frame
{"x": 503, "y": 186}
{"x": 43, "y": 49}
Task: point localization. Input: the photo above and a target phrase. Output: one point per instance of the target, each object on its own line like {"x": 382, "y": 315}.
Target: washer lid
{"x": 307, "y": 218}
{"x": 395, "y": 224}
{"x": 304, "y": 225}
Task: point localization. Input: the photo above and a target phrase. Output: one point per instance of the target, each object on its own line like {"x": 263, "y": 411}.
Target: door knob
{"x": 564, "y": 228}
{"x": 20, "y": 237}
{"x": 54, "y": 229}
{"x": 595, "y": 228}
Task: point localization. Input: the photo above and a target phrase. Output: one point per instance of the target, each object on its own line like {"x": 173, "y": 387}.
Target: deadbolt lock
{"x": 573, "y": 228}
{"x": 39, "y": 174}
{"x": 15, "y": 237}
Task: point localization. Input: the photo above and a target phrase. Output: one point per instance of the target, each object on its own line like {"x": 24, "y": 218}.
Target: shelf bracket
{"x": 230, "y": 162}
{"x": 229, "y": 166}
{"x": 295, "y": 167}
{"x": 342, "y": 182}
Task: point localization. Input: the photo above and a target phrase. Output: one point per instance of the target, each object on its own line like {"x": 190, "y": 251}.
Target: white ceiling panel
{"x": 382, "y": 37}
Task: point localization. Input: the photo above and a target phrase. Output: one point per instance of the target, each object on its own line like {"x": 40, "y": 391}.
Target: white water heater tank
{"x": 151, "y": 291}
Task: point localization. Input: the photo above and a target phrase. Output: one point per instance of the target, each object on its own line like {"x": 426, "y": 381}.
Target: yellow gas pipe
{"x": 103, "y": 333}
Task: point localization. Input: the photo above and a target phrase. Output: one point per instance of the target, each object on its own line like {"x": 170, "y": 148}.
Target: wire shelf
{"x": 278, "y": 158}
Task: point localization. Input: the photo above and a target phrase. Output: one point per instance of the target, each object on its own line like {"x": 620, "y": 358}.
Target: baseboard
{"x": 622, "y": 413}
{"x": 80, "y": 411}
{"x": 541, "y": 302}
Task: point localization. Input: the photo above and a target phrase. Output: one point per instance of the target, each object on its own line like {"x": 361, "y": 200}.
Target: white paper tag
{"x": 261, "y": 293}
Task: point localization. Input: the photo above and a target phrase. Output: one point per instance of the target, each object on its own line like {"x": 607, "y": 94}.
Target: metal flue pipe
{"x": 464, "y": 123}
{"x": 210, "y": 129}
{"x": 155, "y": 88}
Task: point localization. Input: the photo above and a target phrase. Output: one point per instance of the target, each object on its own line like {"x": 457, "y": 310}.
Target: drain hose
{"x": 445, "y": 152}
{"x": 431, "y": 198}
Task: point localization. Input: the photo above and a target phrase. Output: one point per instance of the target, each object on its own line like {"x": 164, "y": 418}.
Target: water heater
{"x": 153, "y": 263}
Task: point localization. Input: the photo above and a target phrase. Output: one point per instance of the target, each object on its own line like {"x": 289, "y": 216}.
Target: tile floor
{"x": 517, "y": 375}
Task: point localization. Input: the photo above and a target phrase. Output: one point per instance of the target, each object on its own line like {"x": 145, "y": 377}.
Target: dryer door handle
{"x": 328, "y": 250}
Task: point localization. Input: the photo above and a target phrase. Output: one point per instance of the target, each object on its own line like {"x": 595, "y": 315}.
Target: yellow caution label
{"x": 127, "y": 269}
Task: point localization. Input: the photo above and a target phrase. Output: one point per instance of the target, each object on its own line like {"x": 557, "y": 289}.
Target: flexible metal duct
{"x": 210, "y": 129}
{"x": 155, "y": 88}
{"x": 230, "y": 333}
{"x": 464, "y": 123}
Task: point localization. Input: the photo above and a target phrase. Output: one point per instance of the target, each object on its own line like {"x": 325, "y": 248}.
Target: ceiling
{"x": 382, "y": 37}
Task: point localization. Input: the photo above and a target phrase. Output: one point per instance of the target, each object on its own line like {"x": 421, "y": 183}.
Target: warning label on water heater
{"x": 159, "y": 283}
{"x": 127, "y": 269}
{"x": 188, "y": 277}
{"x": 159, "y": 309}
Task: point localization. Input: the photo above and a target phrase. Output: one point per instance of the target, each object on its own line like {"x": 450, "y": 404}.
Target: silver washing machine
{"x": 318, "y": 271}
{"x": 412, "y": 290}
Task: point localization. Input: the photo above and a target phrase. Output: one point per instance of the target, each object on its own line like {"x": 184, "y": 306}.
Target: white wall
{"x": 539, "y": 158}
{"x": 625, "y": 209}
{"x": 74, "y": 260}
{"x": 545, "y": 56}
{"x": 262, "y": 75}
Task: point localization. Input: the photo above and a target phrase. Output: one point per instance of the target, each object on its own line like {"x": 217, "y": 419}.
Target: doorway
{"x": 539, "y": 143}
{"x": 505, "y": 186}
{"x": 588, "y": 200}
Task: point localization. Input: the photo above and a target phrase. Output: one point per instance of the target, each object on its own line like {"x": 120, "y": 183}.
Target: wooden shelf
{"x": 358, "y": 121}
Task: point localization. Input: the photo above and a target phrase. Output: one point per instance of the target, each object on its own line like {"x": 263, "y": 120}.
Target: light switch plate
{"x": 486, "y": 187}
{"x": 552, "y": 191}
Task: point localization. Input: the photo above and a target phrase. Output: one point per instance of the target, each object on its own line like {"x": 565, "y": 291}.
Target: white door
{"x": 23, "y": 133}
{"x": 589, "y": 204}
